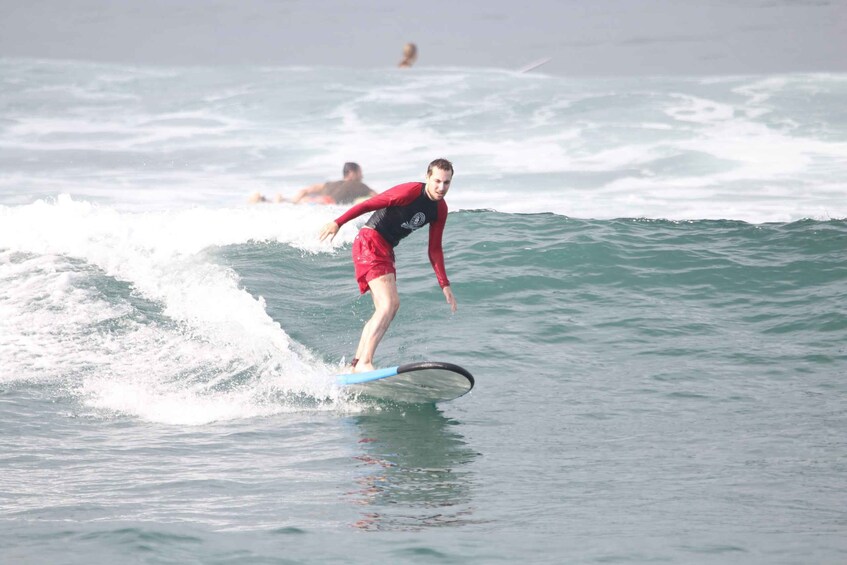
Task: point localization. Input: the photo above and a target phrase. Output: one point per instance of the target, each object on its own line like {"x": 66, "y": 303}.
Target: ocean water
{"x": 651, "y": 276}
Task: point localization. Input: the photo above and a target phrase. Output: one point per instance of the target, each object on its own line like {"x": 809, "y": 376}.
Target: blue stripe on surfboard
{"x": 358, "y": 378}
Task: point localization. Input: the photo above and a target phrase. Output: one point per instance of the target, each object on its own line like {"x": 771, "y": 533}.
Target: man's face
{"x": 438, "y": 183}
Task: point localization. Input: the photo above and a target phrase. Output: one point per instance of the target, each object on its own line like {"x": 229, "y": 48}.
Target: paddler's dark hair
{"x": 350, "y": 167}
{"x": 442, "y": 164}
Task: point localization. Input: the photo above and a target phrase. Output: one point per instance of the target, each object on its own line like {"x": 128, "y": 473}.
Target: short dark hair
{"x": 442, "y": 164}
{"x": 350, "y": 167}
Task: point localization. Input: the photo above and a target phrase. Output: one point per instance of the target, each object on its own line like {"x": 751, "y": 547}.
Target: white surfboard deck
{"x": 426, "y": 382}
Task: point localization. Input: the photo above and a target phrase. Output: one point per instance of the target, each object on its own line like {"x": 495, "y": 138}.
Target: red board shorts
{"x": 372, "y": 257}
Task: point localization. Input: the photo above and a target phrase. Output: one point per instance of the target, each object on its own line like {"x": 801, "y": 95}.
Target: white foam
{"x": 213, "y": 137}
{"x": 109, "y": 133}
{"x": 699, "y": 110}
{"x": 186, "y": 368}
{"x": 43, "y": 315}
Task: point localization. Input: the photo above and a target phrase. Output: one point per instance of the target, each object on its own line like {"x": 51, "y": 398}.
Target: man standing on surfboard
{"x": 397, "y": 212}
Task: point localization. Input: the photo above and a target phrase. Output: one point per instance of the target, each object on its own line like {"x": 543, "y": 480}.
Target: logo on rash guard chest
{"x": 416, "y": 221}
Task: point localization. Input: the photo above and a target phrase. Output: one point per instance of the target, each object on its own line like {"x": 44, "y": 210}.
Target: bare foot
{"x": 362, "y": 367}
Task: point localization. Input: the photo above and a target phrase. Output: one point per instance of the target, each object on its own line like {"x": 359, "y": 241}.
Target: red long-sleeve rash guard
{"x": 401, "y": 210}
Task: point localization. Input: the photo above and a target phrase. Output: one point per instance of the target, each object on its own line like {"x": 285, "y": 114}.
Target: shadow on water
{"x": 414, "y": 471}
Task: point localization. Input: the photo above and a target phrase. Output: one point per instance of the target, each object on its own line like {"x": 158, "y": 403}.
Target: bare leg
{"x": 386, "y": 303}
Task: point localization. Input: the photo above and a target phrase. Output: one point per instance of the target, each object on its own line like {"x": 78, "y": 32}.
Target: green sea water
{"x": 569, "y": 296}
{"x": 647, "y": 391}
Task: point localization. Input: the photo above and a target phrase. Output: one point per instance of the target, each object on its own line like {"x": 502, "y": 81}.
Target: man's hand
{"x": 329, "y": 231}
{"x": 451, "y": 300}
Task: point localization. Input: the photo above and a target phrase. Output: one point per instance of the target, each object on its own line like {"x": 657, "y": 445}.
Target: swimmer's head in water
{"x": 410, "y": 55}
{"x": 353, "y": 169}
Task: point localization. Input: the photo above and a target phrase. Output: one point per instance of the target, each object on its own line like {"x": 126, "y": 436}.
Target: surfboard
{"x": 426, "y": 382}
{"x": 535, "y": 65}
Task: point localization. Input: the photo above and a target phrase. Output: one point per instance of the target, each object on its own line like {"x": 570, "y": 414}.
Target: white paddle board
{"x": 426, "y": 382}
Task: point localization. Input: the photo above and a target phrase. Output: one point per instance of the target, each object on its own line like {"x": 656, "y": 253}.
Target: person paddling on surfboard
{"x": 397, "y": 212}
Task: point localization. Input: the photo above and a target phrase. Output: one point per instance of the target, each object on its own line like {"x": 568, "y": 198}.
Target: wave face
{"x": 239, "y": 310}
{"x": 128, "y": 310}
{"x": 750, "y": 148}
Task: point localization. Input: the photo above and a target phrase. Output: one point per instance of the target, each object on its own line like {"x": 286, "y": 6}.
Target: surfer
{"x": 345, "y": 191}
{"x": 397, "y": 212}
